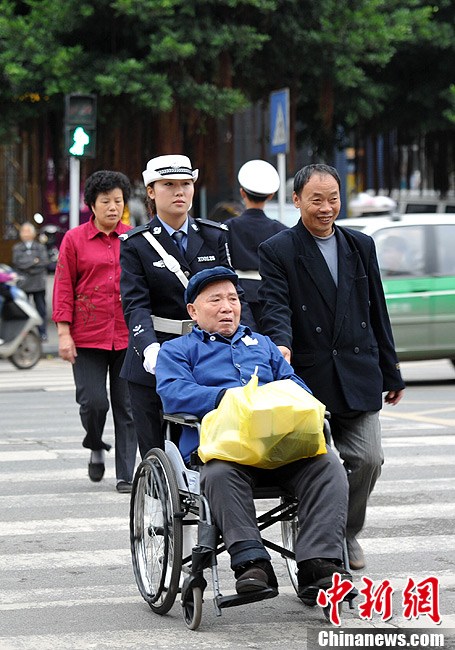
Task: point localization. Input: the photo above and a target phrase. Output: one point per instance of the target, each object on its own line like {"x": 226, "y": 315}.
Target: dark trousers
{"x": 39, "y": 298}
{"x": 90, "y": 374}
{"x": 357, "y": 436}
{"x": 147, "y": 414}
{"x": 319, "y": 484}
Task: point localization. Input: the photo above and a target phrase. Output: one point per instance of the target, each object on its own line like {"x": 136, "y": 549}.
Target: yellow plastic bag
{"x": 264, "y": 426}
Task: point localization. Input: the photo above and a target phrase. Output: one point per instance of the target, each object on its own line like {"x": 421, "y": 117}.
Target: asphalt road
{"x": 65, "y": 572}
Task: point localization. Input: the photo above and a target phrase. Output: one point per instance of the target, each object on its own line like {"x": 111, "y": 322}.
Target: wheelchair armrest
{"x": 182, "y": 418}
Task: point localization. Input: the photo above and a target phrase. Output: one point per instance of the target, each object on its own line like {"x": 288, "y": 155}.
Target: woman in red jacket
{"x": 92, "y": 333}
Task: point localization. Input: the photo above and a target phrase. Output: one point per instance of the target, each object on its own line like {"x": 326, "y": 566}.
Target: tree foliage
{"x": 150, "y": 54}
{"x": 338, "y": 57}
{"x": 377, "y": 63}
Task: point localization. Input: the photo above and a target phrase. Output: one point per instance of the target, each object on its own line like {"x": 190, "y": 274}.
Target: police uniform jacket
{"x": 340, "y": 337}
{"x": 245, "y": 234}
{"x": 148, "y": 287}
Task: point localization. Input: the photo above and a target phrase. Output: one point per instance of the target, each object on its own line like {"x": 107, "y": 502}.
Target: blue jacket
{"x": 193, "y": 371}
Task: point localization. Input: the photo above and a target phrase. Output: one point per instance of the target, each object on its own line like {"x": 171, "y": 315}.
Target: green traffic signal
{"x": 81, "y": 140}
{"x": 80, "y": 125}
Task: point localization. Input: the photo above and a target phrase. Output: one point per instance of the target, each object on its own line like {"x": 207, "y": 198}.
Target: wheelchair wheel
{"x": 192, "y": 609}
{"x": 156, "y": 531}
{"x": 289, "y": 529}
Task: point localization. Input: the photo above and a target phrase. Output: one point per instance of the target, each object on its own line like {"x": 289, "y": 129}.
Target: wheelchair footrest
{"x": 243, "y": 599}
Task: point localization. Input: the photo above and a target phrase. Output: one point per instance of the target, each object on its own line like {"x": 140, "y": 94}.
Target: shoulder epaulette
{"x": 134, "y": 231}
{"x": 214, "y": 224}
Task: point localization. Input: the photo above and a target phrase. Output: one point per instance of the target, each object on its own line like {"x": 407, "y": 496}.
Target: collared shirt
{"x": 87, "y": 287}
{"x": 192, "y": 371}
{"x": 170, "y": 230}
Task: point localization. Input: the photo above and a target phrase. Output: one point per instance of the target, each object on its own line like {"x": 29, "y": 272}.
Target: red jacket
{"x": 87, "y": 287}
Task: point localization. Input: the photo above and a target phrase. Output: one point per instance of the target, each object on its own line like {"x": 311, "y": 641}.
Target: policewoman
{"x": 258, "y": 182}
{"x": 157, "y": 259}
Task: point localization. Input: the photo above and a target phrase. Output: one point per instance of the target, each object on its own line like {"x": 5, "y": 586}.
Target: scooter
{"x": 18, "y": 329}
{"x": 51, "y": 236}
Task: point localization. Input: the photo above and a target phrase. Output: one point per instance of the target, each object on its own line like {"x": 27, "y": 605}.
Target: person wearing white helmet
{"x": 157, "y": 259}
{"x": 258, "y": 181}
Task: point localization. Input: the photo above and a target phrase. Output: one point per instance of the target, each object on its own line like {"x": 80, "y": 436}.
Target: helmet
{"x": 259, "y": 177}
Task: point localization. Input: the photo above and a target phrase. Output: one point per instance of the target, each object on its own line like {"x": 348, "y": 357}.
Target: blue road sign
{"x": 279, "y": 121}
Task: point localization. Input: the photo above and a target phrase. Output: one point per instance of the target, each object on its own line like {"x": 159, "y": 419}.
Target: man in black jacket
{"x": 324, "y": 305}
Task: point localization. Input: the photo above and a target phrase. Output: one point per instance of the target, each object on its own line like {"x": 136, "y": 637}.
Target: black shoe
{"x": 317, "y": 574}
{"x": 124, "y": 487}
{"x": 96, "y": 471}
{"x": 255, "y": 576}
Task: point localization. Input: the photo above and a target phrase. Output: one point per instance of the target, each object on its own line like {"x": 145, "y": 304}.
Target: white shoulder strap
{"x": 170, "y": 262}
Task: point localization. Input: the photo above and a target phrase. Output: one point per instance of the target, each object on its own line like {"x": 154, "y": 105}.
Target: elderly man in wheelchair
{"x": 193, "y": 374}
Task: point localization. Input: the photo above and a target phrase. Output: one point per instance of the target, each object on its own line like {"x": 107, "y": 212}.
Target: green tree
{"x": 159, "y": 56}
{"x": 169, "y": 70}
{"x": 329, "y": 53}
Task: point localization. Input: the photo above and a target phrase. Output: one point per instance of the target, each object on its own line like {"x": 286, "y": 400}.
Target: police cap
{"x": 259, "y": 177}
{"x": 170, "y": 167}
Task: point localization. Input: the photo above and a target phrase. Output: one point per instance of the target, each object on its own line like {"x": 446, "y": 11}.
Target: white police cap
{"x": 171, "y": 167}
{"x": 258, "y": 177}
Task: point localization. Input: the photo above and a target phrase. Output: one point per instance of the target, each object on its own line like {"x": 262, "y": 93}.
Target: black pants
{"x": 90, "y": 374}
{"x": 321, "y": 488}
{"x": 39, "y": 298}
{"x": 147, "y": 414}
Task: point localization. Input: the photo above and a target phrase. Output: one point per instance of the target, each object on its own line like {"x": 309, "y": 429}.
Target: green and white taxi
{"x": 417, "y": 260}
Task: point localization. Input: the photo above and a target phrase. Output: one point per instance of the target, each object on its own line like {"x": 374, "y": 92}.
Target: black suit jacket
{"x": 148, "y": 287}
{"x": 340, "y": 337}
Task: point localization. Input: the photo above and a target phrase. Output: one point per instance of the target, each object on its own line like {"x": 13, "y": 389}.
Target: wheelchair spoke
{"x": 156, "y": 535}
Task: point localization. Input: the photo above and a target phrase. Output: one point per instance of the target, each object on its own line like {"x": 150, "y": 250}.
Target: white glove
{"x": 150, "y": 357}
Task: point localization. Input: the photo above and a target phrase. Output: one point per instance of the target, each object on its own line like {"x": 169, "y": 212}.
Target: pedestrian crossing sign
{"x": 279, "y": 121}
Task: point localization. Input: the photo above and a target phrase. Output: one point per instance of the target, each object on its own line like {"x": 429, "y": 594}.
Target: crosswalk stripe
{"x": 413, "y": 442}
{"x": 50, "y": 439}
{"x": 422, "y": 461}
{"x": 65, "y": 559}
{"x": 376, "y": 514}
{"x": 380, "y": 514}
{"x": 129, "y": 591}
{"x": 58, "y": 499}
{"x": 411, "y": 485}
{"x": 68, "y": 452}
{"x": 33, "y": 476}
{"x": 129, "y": 638}
{"x": 46, "y": 454}
{"x": 41, "y": 527}
{"x": 62, "y": 526}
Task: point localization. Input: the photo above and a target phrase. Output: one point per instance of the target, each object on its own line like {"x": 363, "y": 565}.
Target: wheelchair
{"x": 166, "y": 499}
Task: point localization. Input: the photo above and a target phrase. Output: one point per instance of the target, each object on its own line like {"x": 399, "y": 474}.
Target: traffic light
{"x": 80, "y": 125}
